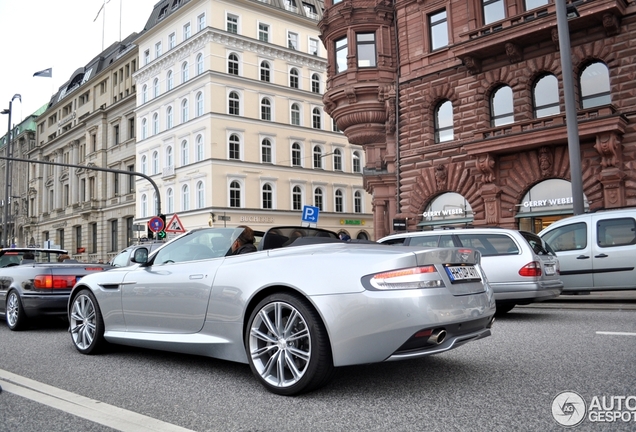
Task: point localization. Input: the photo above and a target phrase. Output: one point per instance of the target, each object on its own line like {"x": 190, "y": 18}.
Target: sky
{"x": 59, "y": 34}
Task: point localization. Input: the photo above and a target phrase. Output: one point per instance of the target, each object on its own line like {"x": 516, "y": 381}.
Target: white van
{"x": 597, "y": 251}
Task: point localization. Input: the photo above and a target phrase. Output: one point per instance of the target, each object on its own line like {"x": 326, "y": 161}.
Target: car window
{"x": 490, "y": 244}
{"x": 424, "y": 241}
{"x": 615, "y": 232}
{"x": 121, "y": 259}
{"x": 446, "y": 241}
{"x": 567, "y": 237}
{"x": 198, "y": 245}
{"x": 394, "y": 242}
{"x": 537, "y": 244}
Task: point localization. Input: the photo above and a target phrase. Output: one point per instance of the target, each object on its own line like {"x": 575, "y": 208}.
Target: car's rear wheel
{"x": 504, "y": 308}
{"x": 14, "y": 312}
{"x": 287, "y": 345}
{"x": 86, "y": 323}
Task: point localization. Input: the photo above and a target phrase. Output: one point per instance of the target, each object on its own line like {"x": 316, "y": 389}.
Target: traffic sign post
{"x": 156, "y": 224}
{"x": 310, "y": 215}
{"x": 175, "y": 225}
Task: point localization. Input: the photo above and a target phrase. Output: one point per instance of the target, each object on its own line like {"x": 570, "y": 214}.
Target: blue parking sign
{"x": 310, "y": 214}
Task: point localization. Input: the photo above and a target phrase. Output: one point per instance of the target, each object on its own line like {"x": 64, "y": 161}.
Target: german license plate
{"x": 462, "y": 273}
{"x": 549, "y": 270}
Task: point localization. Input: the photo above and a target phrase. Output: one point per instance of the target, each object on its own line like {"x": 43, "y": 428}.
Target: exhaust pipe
{"x": 437, "y": 337}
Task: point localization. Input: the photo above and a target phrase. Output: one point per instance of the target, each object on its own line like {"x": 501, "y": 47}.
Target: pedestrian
{"x": 244, "y": 243}
{"x": 63, "y": 258}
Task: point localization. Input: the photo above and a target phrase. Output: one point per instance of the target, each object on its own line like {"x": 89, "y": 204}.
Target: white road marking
{"x": 616, "y": 333}
{"x": 80, "y": 406}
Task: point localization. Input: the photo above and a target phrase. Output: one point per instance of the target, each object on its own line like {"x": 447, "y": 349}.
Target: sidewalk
{"x": 615, "y": 300}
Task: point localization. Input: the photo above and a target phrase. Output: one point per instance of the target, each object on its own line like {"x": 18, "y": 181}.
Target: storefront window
{"x": 449, "y": 209}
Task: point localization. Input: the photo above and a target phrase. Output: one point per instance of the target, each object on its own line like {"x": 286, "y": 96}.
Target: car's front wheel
{"x": 86, "y": 323}
{"x": 287, "y": 345}
{"x": 14, "y": 312}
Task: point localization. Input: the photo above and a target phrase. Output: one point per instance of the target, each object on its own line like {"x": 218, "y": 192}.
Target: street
{"x": 505, "y": 382}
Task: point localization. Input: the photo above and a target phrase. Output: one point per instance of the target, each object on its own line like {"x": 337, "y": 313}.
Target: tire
{"x": 86, "y": 324}
{"x": 287, "y": 346}
{"x": 14, "y": 312}
{"x": 504, "y": 308}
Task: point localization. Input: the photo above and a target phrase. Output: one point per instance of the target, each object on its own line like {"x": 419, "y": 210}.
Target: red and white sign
{"x": 175, "y": 225}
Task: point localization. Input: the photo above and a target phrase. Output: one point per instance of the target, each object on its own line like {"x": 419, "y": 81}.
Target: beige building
{"x": 89, "y": 122}
{"x": 230, "y": 121}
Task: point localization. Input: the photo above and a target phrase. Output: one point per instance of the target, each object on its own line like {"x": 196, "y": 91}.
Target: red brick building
{"x": 460, "y": 107}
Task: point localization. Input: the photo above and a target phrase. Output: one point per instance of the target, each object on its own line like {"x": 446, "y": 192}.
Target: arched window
{"x": 234, "y": 104}
{"x": 318, "y": 199}
{"x": 185, "y": 73}
{"x": 170, "y": 200}
{"x": 267, "y": 196}
{"x": 357, "y": 202}
{"x": 155, "y": 124}
{"x": 296, "y": 155}
{"x": 144, "y": 206}
{"x": 293, "y": 78}
{"x": 169, "y": 118}
{"x": 501, "y": 105}
{"x": 545, "y": 95}
{"x": 144, "y": 129}
{"x": 297, "y": 198}
{"x": 184, "y": 111}
{"x": 199, "y": 64}
{"x": 155, "y": 87}
{"x": 200, "y": 195}
{"x": 235, "y": 147}
{"x": 444, "y": 122}
{"x": 233, "y": 64}
{"x": 169, "y": 157}
{"x": 235, "y": 194}
{"x": 155, "y": 204}
{"x": 169, "y": 80}
{"x": 185, "y": 153}
{"x": 266, "y": 109}
{"x": 155, "y": 162}
{"x": 337, "y": 160}
{"x": 339, "y": 201}
{"x": 199, "y": 104}
{"x": 595, "y": 85}
{"x": 200, "y": 151}
{"x": 185, "y": 197}
{"x": 316, "y": 119}
{"x": 265, "y": 71}
{"x": 357, "y": 165}
{"x": 144, "y": 164}
{"x": 266, "y": 151}
{"x": 144, "y": 94}
{"x": 295, "y": 114}
{"x": 315, "y": 83}
{"x": 317, "y": 157}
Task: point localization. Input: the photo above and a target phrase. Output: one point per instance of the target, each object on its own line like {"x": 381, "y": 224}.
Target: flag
{"x": 46, "y": 73}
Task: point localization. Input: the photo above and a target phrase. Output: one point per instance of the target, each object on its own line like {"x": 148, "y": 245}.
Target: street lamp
{"x": 571, "y": 120}
{"x": 5, "y": 217}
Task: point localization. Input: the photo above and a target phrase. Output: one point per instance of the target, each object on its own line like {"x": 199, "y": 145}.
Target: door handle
{"x": 582, "y": 257}
{"x": 601, "y": 256}
{"x": 196, "y": 276}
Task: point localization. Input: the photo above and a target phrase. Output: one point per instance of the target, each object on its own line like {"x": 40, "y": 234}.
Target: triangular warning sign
{"x": 175, "y": 225}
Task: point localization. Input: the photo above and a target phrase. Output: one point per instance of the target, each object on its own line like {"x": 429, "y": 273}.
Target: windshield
{"x": 537, "y": 244}
{"x": 15, "y": 257}
{"x": 198, "y": 244}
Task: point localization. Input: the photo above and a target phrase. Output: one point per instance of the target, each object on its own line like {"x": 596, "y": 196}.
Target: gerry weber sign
{"x": 549, "y": 202}
{"x": 448, "y": 212}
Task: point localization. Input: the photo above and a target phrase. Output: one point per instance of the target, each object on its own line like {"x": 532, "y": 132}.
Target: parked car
{"x": 303, "y": 304}
{"x": 519, "y": 266}
{"x": 33, "y": 283}
{"x": 597, "y": 251}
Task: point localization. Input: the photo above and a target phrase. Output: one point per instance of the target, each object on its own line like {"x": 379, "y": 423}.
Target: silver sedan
{"x": 294, "y": 309}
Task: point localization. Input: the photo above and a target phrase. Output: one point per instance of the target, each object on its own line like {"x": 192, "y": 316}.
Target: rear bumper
{"x": 45, "y": 304}
{"x": 529, "y": 292}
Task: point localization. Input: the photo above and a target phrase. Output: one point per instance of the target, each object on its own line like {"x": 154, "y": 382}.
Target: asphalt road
{"x": 502, "y": 383}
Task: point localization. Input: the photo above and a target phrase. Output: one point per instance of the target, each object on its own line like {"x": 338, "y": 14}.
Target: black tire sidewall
{"x": 316, "y": 331}
{"x": 99, "y": 323}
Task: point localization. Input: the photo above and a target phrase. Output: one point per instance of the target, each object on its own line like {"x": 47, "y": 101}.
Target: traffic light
{"x": 161, "y": 235}
{"x": 149, "y": 232}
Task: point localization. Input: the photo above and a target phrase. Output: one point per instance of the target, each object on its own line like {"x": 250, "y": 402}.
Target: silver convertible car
{"x": 294, "y": 310}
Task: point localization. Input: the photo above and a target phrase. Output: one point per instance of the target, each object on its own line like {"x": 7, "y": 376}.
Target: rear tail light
{"x": 54, "y": 282}
{"x": 532, "y": 269}
{"x": 411, "y": 278}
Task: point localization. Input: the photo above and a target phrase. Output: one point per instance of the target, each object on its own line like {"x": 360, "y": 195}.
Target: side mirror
{"x": 140, "y": 256}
